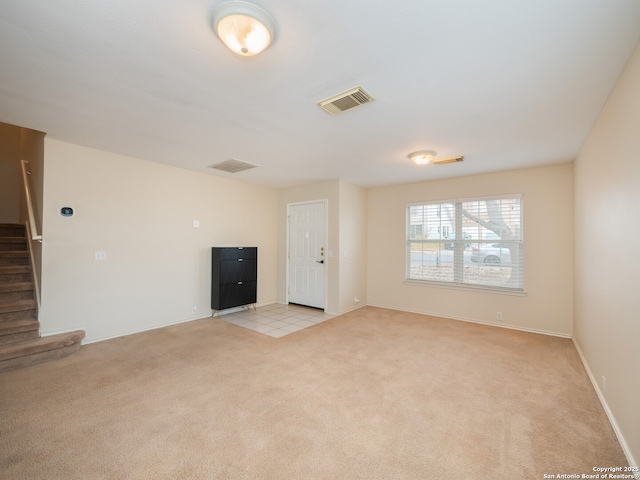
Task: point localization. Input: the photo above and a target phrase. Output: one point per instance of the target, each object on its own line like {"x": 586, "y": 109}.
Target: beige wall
{"x": 10, "y": 176}
{"x": 158, "y": 266}
{"x": 352, "y": 246}
{"x": 547, "y": 305}
{"x": 32, "y": 149}
{"x": 16, "y": 144}
{"x": 607, "y": 273}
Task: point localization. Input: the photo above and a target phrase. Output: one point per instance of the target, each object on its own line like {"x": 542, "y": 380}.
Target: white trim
{"x": 466, "y": 199}
{"x": 465, "y": 286}
{"x": 607, "y": 410}
{"x": 30, "y": 211}
{"x": 307, "y": 202}
{"x": 350, "y": 309}
{"x": 133, "y": 332}
{"x": 474, "y": 320}
{"x": 111, "y": 337}
{"x": 325, "y": 201}
{"x": 458, "y": 265}
{"x": 34, "y": 271}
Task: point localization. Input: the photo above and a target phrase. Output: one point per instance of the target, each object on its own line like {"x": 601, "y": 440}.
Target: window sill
{"x": 472, "y": 288}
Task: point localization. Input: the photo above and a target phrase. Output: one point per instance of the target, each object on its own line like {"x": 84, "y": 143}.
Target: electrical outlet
{"x": 604, "y": 384}
{"x": 101, "y": 255}
{"x": 499, "y": 316}
{"x": 356, "y": 299}
{"x": 194, "y": 309}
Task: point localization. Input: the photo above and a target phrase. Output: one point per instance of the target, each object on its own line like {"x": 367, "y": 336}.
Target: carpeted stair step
{"x": 17, "y": 310}
{"x": 12, "y": 230}
{"x": 15, "y": 291}
{"x": 30, "y": 352}
{"x": 13, "y": 243}
{"x": 20, "y": 341}
{"x": 15, "y": 273}
{"x": 11, "y": 257}
{"x": 13, "y": 331}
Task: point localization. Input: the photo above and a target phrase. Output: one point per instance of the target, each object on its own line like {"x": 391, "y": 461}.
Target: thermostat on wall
{"x": 66, "y": 211}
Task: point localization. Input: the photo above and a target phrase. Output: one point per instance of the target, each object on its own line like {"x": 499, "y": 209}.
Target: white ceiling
{"x": 506, "y": 83}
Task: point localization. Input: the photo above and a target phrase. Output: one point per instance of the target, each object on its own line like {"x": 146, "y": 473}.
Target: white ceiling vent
{"x": 233, "y": 166}
{"x": 442, "y": 161}
{"x": 345, "y": 101}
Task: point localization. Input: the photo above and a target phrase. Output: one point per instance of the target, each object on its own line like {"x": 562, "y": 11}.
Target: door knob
{"x": 319, "y": 261}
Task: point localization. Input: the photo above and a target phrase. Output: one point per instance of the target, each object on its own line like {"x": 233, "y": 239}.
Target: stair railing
{"x": 32, "y": 227}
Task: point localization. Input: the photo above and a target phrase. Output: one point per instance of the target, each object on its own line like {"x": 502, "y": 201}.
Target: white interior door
{"x": 307, "y": 254}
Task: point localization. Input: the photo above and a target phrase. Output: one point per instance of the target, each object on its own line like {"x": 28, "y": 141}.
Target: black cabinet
{"x": 234, "y": 274}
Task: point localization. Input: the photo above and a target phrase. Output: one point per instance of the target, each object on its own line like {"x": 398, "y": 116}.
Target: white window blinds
{"x": 472, "y": 242}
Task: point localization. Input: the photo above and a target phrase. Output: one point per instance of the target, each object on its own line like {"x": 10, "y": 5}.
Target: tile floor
{"x": 276, "y": 320}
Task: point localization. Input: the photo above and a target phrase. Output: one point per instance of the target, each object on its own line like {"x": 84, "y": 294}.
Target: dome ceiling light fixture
{"x": 243, "y": 27}
{"x": 423, "y": 157}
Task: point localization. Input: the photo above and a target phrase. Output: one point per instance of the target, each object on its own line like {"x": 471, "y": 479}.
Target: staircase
{"x": 20, "y": 341}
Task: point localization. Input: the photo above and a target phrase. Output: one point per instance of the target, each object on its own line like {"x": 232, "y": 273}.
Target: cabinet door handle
{"x": 239, "y": 283}
{"x": 240, "y": 259}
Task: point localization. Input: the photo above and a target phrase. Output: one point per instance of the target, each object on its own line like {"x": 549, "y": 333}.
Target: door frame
{"x": 327, "y": 256}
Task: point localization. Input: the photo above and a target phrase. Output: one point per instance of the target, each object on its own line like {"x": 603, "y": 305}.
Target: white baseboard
{"x": 481, "y": 322}
{"x": 603, "y": 401}
{"x": 351, "y": 309}
{"x": 216, "y": 314}
{"x": 133, "y": 332}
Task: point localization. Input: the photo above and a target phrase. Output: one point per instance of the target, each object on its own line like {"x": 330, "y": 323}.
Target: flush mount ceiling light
{"x": 422, "y": 157}
{"x": 243, "y": 27}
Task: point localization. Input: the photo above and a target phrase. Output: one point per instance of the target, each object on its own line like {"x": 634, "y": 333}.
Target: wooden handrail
{"x": 32, "y": 218}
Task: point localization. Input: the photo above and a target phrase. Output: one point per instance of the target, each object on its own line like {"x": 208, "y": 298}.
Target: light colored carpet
{"x": 373, "y": 394}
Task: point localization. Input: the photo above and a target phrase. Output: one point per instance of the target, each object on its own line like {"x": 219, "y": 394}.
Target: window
{"x": 470, "y": 242}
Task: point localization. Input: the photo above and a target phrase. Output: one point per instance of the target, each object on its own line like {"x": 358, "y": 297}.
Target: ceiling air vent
{"x": 345, "y": 101}
{"x": 233, "y": 166}
{"x": 442, "y": 161}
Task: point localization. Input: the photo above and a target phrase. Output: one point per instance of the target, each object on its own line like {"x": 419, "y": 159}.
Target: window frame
{"x": 458, "y": 246}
